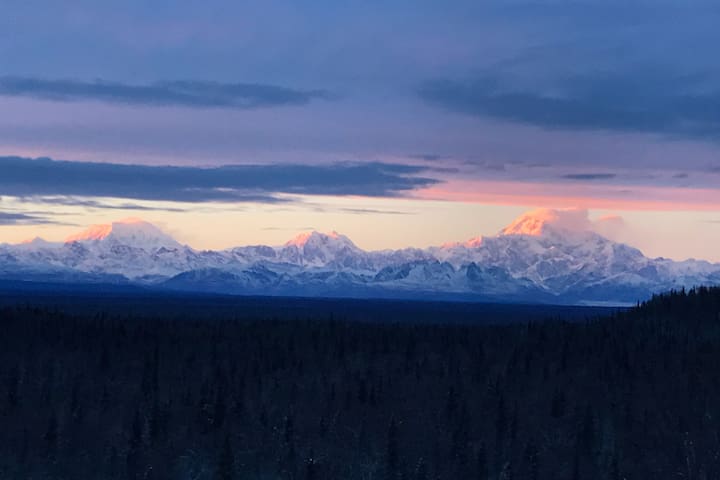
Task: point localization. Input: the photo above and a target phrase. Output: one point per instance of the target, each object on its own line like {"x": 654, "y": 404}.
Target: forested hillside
{"x": 109, "y": 396}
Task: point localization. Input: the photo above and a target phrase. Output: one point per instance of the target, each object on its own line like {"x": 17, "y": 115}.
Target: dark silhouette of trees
{"x": 117, "y": 395}
{"x": 392, "y": 460}
{"x": 226, "y": 462}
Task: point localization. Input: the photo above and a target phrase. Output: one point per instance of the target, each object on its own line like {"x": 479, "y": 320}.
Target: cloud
{"x": 373, "y": 211}
{"x": 609, "y": 226}
{"x": 573, "y": 219}
{"x": 24, "y": 177}
{"x": 89, "y": 203}
{"x": 570, "y": 219}
{"x": 428, "y": 157}
{"x": 193, "y": 94}
{"x": 647, "y": 101}
{"x": 589, "y": 176}
{"x": 10, "y": 218}
{"x": 612, "y": 227}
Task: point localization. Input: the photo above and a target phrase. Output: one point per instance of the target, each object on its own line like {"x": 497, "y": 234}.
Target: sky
{"x": 397, "y": 123}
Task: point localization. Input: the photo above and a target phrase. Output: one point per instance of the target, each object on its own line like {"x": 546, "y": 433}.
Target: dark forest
{"x": 632, "y": 395}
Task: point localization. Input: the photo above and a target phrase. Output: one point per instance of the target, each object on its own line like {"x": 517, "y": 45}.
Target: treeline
{"x": 633, "y": 396}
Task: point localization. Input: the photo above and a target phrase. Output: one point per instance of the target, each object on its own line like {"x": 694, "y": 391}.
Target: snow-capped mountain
{"x": 545, "y": 255}
{"x": 131, "y": 231}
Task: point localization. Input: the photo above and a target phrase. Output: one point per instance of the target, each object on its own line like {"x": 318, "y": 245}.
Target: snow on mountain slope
{"x": 538, "y": 222}
{"x": 130, "y": 231}
{"x": 132, "y": 248}
{"x": 545, "y": 255}
{"x": 37, "y": 243}
{"x": 314, "y": 249}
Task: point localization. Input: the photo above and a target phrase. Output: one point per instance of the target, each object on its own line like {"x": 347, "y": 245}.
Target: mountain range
{"x": 537, "y": 258}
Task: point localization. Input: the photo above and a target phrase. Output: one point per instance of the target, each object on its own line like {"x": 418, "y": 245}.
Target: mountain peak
{"x": 93, "y": 232}
{"x": 322, "y": 249}
{"x": 314, "y": 237}
{"x": 566, "y": 260}
{"x": 37, "y": 243}
{"x": 34, "y": 241}
{"x": 130, "y": 231}
{"x": 538, "y": 222}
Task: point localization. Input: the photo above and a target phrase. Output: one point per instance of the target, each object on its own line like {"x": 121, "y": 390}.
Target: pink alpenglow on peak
{"x": 314, "y": 237}
{"x": 94, "y": 232}
{"x": 474, "y": 242}
{"x": 134, "y": 231}
{"x": 536, "y": 222}
{"x": 300, "y": 240}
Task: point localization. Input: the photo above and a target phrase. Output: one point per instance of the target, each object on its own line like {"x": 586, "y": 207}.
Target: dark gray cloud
{"x": 24, "y": 177}
{"x": 11, "y": 218}
{"x": 428, "y": 157}
{"x": 95, "y": 204}
{"x": 648, "y": 101}
{"x": 589, "y": 176}
{"x": 195, "y": 94}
